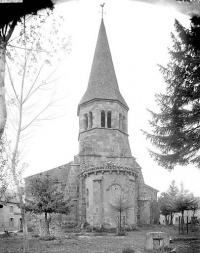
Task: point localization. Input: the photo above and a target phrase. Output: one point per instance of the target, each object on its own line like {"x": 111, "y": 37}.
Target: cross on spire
{"x": 102, "y": 6}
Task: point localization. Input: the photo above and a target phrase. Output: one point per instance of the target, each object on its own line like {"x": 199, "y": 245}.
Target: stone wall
{"x": 103, "y": 193}
{"x": 68, "y": 182}
{"x": 96, "y": 107}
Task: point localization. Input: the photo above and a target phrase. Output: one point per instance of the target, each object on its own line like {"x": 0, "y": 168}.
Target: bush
{"x": 103, "y": 229}
{"x": 47, "y": 238}
{"x": 128, "y": 250}
{"x": 35, "y": 235}
{"x": 132, "y": 228}
{"x": 121, "y": 233}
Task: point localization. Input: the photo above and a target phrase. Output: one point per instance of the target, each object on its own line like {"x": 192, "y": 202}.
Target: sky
{"x": 138, "y": 35}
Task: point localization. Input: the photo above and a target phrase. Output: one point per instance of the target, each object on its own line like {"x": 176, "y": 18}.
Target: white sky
{"x": 139, "y": 35}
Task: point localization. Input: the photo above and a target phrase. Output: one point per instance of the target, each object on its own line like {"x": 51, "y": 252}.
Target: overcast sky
{"x": 139, "y": 35}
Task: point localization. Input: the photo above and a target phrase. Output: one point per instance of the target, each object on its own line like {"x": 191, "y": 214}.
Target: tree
{"x": 167, "y": 202}
{"x": 44, "y": 196}
{"x": 172, "y": 193}
{"x": 175, "y": 129}
{"x": 10, "y": 15}
{"x": 28, "y": 60}
{"x": 3, "y": 171}
{"x": 121, "y": 204}
{"x": 184, "y": 201}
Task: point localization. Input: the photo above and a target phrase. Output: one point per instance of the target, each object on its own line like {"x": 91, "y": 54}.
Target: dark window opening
{"x": 102, "y": 118}
{"x": 87, "y": 198}
{"x": 120, "y": 121}
{"x": 90, "y": 120}
{"x": 124, "y": 124}
{"x": 11, "y": 209}
{"x": 109, "y": 119}
{"x": 11, "y": 222}
{"x": 85, "y": 122}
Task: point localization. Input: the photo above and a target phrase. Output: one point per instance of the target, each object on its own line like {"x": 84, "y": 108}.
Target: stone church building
{"x": 104, "y": 173}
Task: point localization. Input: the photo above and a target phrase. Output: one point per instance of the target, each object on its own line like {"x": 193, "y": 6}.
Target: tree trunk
{"x": 23, "y": 214}
{"x": 171, "y": 218}
{"x": 47, "y": 224}
{"x": 120, "y": 221}
{"x": 3, "y": 112}
{"x": 4, "y": 38}
{"x": 182, "y": 221}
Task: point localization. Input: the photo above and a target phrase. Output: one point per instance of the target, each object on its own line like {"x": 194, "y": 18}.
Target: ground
{"x": 105, "y": 243}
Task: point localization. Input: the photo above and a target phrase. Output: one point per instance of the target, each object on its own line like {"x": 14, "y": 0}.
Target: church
{"x": 104, "y": 174}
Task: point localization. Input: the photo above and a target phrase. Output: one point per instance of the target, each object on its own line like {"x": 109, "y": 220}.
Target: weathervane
{"x": 102, "y": 6}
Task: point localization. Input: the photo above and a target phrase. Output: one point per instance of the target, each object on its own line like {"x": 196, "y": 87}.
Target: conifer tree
{"x": 167, "y": 201}
{"x": 176, "y": 128}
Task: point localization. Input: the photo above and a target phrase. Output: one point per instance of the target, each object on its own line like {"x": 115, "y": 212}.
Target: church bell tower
{"x": 102, "y": 111}
{"x": 107, "y": 168}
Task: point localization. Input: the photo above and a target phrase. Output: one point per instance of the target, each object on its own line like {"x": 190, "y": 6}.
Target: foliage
{"x": 175, "y": 129}
{"x": 167, "y": 200}
{"x": 10, "y": 15}
{"x": 176, "y": 200}
{"x": 16, "y": 11}
{"x": 185, "y": 200}
{"x": 44, "y": 196}
{"x": 47, "y": 238}
{"x": 128, "y": 250}
{"x": 3, "y": 172}
{"x": 27, "y": 57}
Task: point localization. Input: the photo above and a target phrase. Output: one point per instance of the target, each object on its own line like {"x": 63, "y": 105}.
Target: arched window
{"x": 87, "y": 198}
{"x": 124, "y": 124}
{"x": 103, "y": 119}
{"x": 120, "y": 121}
{"x": 90, "y": 120}
{"x": 11, "y": 209}
{"x": 85, "y": 121}
{"x": 109, "y": 119}
{"x": 115, "y": 192}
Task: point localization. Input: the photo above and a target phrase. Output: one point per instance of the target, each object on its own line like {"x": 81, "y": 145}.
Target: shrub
{"x": 35, "y": 235}
{"x": 47, "y": 238}
{"x": 128, "y": 250}
{"x": 121, "y": 233}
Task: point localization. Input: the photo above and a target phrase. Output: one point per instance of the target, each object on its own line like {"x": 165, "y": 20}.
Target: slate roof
{"x": 102, "y": 82}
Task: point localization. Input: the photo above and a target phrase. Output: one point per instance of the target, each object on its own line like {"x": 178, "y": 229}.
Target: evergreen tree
{"x": 176, "y": 128}
{"x": 167, "y": 202}
{"x": 185, "y": 201}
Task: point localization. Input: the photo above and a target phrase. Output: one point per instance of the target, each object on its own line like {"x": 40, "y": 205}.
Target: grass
{"x": 134, "y": 241}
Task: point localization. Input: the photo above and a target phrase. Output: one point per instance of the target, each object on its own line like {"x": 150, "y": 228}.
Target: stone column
{"x": 97, "y": 202}
{"x": 82, "y": 204}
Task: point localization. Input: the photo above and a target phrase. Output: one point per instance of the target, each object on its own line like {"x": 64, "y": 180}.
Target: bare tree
{"x": 121, "y": 204}
{"x": 3, "y": 169}
{"x": 29, "y": 62}
{"x": 10, "y": 15}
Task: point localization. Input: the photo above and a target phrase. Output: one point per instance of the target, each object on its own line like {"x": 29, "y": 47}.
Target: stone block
{"x": 156, "y": 240}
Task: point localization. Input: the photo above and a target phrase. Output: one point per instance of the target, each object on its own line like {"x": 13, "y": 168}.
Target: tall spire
{"x": 102, "y": 82}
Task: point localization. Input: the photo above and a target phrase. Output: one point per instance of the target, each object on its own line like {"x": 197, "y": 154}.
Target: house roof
{"x": 102, "y": 82}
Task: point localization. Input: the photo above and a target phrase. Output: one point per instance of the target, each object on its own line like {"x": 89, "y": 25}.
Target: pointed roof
{"x": 102, "y": 82}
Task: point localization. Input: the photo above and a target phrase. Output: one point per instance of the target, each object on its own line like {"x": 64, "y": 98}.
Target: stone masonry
{"x": 104, "y": 171}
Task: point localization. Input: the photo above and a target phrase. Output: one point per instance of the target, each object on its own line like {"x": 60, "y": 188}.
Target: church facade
{"x": 104, "y": 175}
